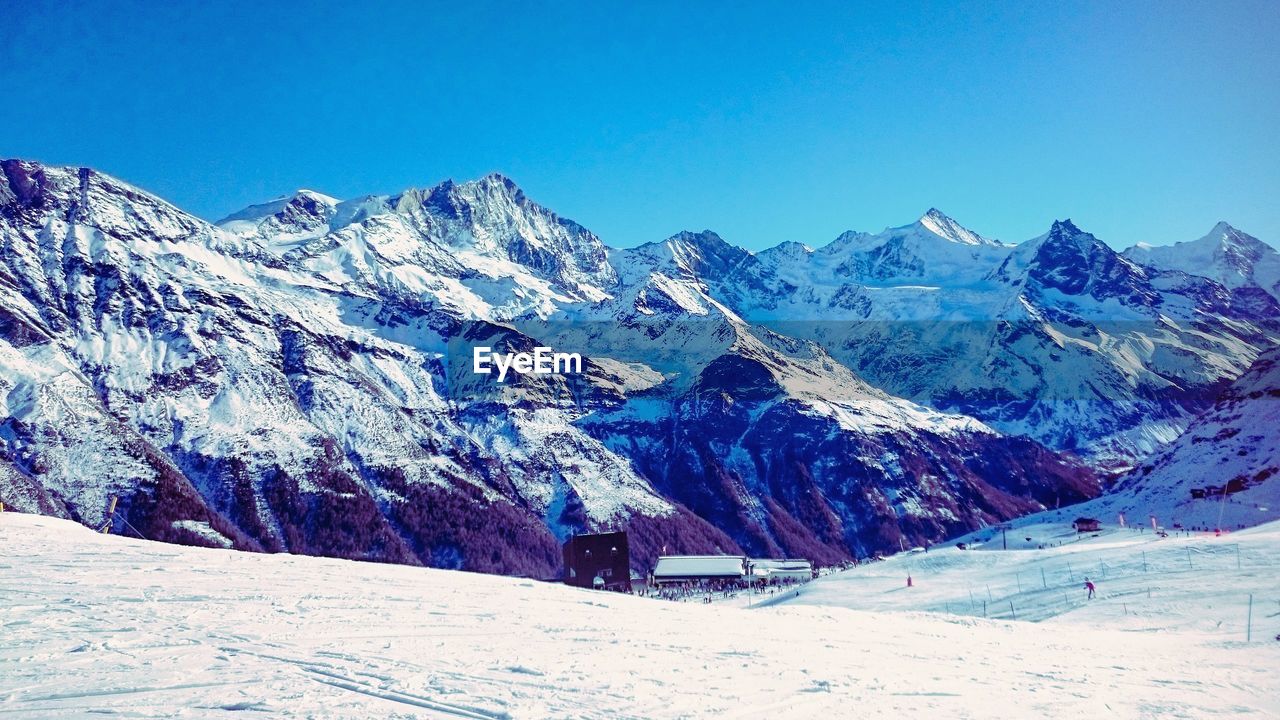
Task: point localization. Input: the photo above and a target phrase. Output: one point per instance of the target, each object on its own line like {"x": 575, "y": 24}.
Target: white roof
{"x": 699, "y": 566}
{"x": 789, "y": 564}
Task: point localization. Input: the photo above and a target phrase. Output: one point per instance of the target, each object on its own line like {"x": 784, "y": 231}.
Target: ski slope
{"x": 1197, "y": 584}
{"x": 93, "y": 624}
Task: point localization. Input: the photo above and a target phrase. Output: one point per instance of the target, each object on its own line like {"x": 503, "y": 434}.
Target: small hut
{"x": 1085, "y": 524}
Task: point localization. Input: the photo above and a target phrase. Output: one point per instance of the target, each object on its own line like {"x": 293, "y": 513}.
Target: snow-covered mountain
{"x": 1223, "y": 472}
{"x": 1236, "y": 260}
{"x": 1059, "y": 338}
{"x": 299, "y": 377}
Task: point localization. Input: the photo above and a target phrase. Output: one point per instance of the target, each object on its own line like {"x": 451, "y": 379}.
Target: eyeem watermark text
{"x": 542, "y": 361}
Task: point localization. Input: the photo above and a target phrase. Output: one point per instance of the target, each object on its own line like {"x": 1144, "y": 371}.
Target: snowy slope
{"x": 1235, "y": 445}
{"x": 1194, "y": 584}
{"x": 99, "y": 624}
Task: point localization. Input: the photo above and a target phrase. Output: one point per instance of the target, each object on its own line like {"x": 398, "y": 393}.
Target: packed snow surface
{"x": 102, "y": 624}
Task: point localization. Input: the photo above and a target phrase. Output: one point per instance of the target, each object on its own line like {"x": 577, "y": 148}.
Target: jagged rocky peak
{"x": 938, "y": 223}
{"x": 1066, "y": 239}
{"x": 1075, "y": 262}
{"x": 696, "y": 255}
{"x": 695, "y": 248}
{"x": 1066, "y": 229}
{"x": 493, "y": 217}
{"x": 490, "y": 197}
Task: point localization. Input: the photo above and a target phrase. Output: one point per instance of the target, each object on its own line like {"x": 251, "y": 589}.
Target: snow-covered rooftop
{"x": 699, "y": 566}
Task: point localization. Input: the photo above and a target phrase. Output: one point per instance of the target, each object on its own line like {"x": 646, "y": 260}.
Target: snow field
{"x": 1196, "y": 584}
{"x": 93, "y": 624}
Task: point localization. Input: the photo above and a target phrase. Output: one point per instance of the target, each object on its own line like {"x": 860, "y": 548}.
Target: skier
{"x": 1088, "y": 585}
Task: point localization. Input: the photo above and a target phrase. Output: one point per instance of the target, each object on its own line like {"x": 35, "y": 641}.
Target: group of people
{"x": 708, "y": 590}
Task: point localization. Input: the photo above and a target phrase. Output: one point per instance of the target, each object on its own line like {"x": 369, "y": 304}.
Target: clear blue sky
{"x": 764, "y": 122}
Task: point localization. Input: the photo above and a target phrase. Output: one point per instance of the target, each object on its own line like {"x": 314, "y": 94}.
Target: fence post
{"x": 1012, "y": 611}
{"x": 1248, "y": 633}
{"x": 1189, "y": 563}
{"x": 1237, "y": 556}
{"x": 1144, "y": 561}
{"x": 111, "y": 513}
{"x": 1019, "y": 578}
{"x": 984, "y": 608}
{"x": 1043, "y": 581}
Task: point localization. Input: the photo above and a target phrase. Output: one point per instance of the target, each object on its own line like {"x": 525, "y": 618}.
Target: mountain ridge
{"x": 275, "y": 379}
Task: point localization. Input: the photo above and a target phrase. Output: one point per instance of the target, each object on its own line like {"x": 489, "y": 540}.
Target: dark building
{"x": 599, "y": 561}
{"x": 1084, "y": 524}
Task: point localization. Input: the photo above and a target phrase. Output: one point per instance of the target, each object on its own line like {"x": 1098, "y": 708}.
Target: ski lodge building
{"x": 697, "y": 569}
{"x": 676, "y": 569}
{"x": 769, "y": 571}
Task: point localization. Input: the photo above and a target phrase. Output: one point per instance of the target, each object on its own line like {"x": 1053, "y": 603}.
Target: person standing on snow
{"x": 1088, "y": 585}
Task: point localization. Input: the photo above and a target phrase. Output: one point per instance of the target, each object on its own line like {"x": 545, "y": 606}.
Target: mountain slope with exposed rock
{"x": 298, "y": 377}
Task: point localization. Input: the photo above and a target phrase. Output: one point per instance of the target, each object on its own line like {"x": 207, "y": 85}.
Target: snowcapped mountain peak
{"x": 314, "y": 196}
{"x": 938, "y": 223}
{"x": 497, "y": 179}
{"x": 688, "y": 253}
{"x": 300, "y": 198}
{"x": 1064, "y": 233}
{"x": 1226, "y": 237}
{"x": 1225, "y": 255}
{"x": 460, "y": 198}
{"x": 687, "y": 240}
{"x": 303, "y": 214}
{"x": 1222, "y": 226}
